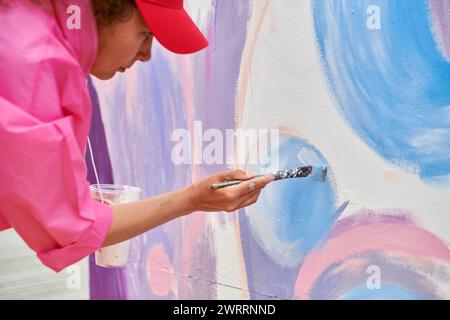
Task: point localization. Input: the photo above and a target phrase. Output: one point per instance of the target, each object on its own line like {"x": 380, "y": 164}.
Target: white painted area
{"x": 230, "y": 272}
{"x": 200, "y": 11}
{"x": 288, "y": 88}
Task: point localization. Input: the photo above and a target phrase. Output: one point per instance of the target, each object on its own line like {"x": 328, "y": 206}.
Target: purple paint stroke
{"x": 440, "y": 12}
{"x": 340, "y": 210}
{"x": 367, "y": 216}
{"x": 104, "y": 284}
{"x": 351, "y": 272}
{"x": 216, "y": 83}
{"x": 159, "y": 111}
{"x": 222, "y": 63}
{"x": 267, "y": 280}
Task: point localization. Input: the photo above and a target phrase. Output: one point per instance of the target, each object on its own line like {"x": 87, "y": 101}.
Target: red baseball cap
{"x": 171, "y": 25}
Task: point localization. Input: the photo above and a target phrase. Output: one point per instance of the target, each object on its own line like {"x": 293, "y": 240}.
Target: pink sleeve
{"x": 44, "y": 194}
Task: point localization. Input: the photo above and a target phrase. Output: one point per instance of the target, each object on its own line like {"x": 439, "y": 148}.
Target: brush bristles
{"x": 320, "y": 172}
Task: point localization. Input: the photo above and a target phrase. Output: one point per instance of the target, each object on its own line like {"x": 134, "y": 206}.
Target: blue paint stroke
{"x": 399, "y": 279}
{"x": 293, "y": 215}
{"x": 385, "y": 292}
{"x": 392, "y": 85}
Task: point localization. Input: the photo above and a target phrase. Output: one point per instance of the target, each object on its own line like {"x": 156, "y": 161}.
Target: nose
{"x": 145, "y": 52}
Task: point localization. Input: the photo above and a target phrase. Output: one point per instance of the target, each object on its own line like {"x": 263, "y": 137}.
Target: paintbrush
{"x": 320, "y": 172}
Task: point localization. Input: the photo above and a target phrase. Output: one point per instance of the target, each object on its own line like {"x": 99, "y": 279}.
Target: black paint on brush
{"x": 300, "y": 172}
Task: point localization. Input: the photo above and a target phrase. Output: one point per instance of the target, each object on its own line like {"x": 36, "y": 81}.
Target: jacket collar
{"x": 77, "y": 24}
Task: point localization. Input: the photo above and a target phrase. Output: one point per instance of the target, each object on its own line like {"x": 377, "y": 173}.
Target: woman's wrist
{"x": 187, "y": 200}
{"x": 134, "y": 218}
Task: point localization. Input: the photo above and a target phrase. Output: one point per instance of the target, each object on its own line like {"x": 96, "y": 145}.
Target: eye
{"x": 148, "y": 34}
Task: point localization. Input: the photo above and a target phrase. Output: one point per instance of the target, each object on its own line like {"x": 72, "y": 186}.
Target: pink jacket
{"x": 45, "y": 114}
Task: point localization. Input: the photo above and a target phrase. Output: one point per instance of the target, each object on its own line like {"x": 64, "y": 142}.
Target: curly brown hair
{"x": 109, "y": 11}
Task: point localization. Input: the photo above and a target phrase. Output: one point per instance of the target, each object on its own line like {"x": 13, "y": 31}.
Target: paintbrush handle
{"x": 300, "y": 172}
{"x": 221, "y": 185}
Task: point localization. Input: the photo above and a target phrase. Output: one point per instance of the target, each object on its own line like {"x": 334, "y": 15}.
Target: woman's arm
{"x": 132, "y": 219}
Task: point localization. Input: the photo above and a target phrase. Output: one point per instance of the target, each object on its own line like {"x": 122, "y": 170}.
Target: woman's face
{"x": 121, "y": 44}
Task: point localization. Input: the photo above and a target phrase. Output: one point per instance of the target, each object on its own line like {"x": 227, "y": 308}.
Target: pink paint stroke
{"x": 160, "y": 275}
{"x": 387, "y": 237}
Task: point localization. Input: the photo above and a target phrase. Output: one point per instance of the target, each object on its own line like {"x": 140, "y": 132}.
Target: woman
{"x": 47, "y": 49}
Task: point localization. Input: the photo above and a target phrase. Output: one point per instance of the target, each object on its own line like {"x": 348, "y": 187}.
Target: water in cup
{"x": 116, "y": 255}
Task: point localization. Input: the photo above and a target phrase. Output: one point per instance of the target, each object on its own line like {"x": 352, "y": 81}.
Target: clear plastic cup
{"x": 116, "y": 255}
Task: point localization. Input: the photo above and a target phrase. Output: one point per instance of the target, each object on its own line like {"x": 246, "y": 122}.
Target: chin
{"x": 104, "y": 75}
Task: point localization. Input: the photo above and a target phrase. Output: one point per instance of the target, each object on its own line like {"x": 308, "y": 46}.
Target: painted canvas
{"x": 362, "y": 87}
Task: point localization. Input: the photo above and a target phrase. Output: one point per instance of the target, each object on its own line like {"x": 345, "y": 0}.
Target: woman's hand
{"x": 229, "y": 199}
{"x": 134, "y": 218}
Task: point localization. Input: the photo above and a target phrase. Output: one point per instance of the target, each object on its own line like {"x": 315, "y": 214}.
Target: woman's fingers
{"x": 234, "y": 175}
{"x": 250, "y": 185}
{"x": 239, "y": 202}
{"x": 203, "y": 198}
{"x": 250, "y": 201}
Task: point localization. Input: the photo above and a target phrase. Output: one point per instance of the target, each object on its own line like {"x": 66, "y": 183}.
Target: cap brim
{"x": 173, "y": 28}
